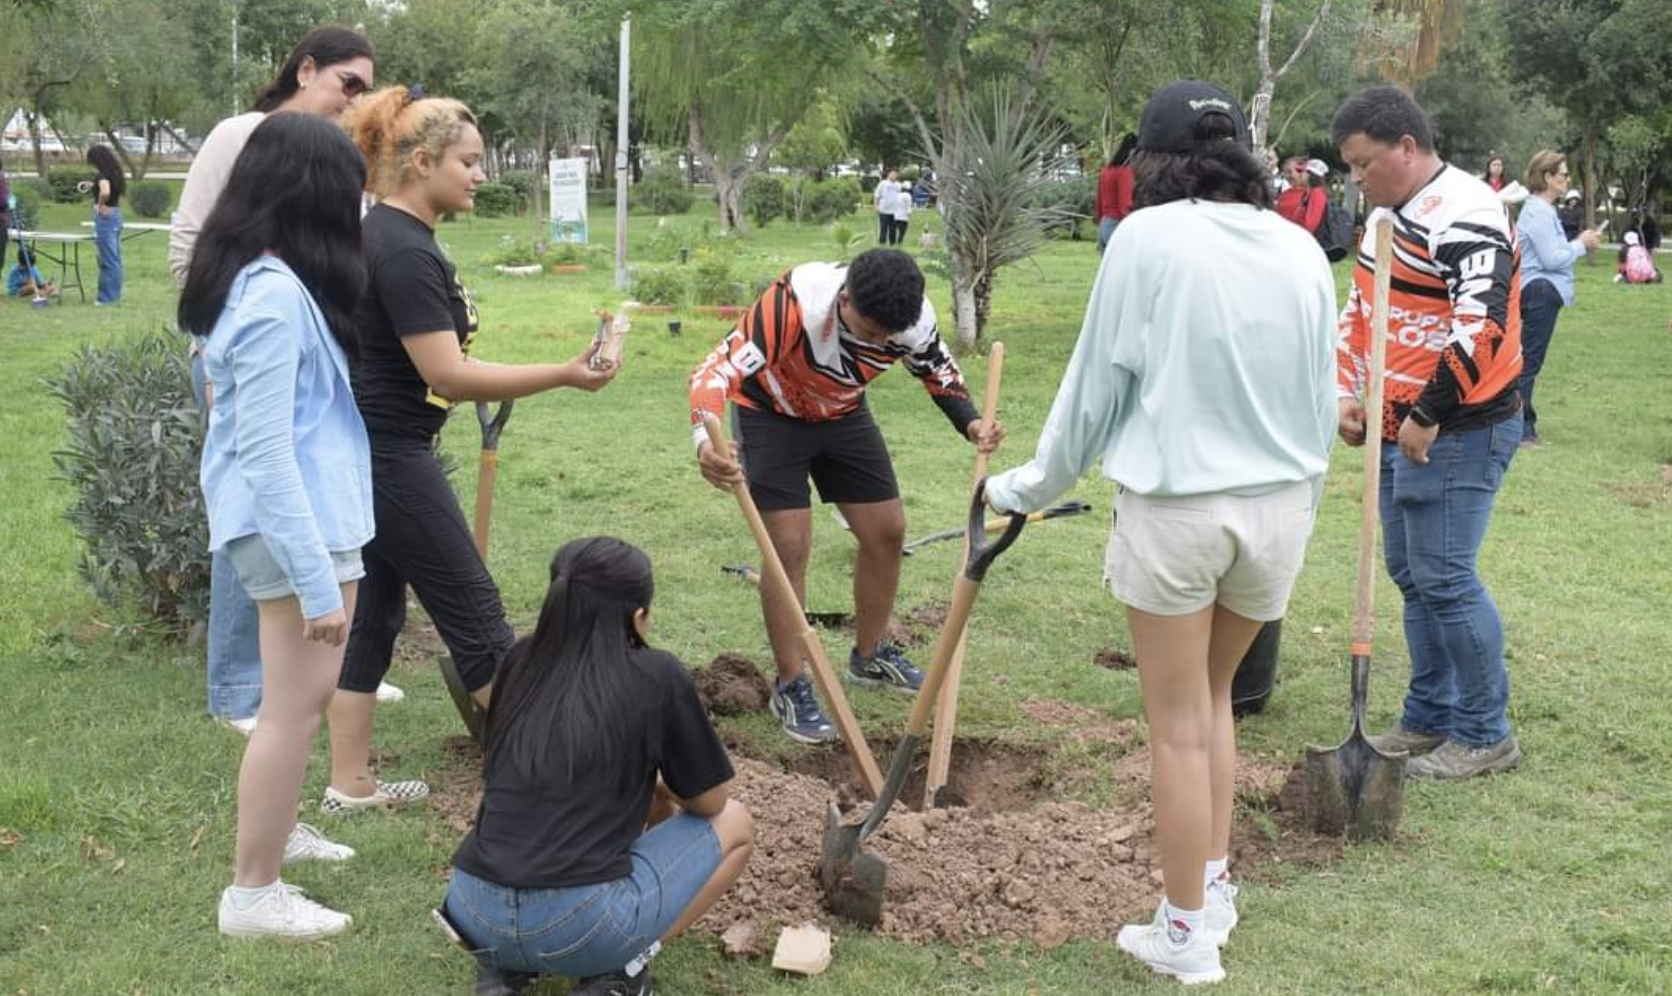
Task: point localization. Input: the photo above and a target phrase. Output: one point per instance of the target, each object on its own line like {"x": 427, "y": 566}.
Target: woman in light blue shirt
{"x": 1547, "y": 258}
{"x": 1204, "y": 382}
{"x": 286, "y": 468}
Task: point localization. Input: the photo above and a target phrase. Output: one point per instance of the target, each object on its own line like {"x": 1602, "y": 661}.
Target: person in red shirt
{"x": 1494, "y": 175}
{"x": 1305, "y": 203}
{"x": 1114, "y": 191}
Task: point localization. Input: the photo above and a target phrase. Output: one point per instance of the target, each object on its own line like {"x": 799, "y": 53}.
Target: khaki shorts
{"x": 1176, "y": 556}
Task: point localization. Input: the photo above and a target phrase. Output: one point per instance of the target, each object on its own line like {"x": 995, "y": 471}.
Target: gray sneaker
{"x": 1453, "y": 761}
{"x": 1408, "y": 742}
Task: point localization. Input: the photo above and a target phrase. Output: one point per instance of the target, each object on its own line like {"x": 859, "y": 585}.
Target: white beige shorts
{"x": 1175, "y": 556}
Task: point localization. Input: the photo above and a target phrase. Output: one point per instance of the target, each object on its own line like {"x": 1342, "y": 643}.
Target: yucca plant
{"x": 989, "y": 189}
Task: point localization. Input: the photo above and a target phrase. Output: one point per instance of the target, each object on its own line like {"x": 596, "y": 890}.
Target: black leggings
{"x": 423, "y": 541}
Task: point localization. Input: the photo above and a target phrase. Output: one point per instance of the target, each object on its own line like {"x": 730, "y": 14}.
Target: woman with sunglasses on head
{"x": 329, "y": 68}
{"x": 286, "y": 468}
{"x": 416, "y": 326}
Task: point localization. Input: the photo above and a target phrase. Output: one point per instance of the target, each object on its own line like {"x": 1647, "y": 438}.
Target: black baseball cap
{"x": 1170, "y": 117}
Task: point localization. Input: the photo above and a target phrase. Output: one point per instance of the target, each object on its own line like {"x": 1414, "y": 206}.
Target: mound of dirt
{"x": 730, "y": 685}
{"x": 1015, "y": 865}
{"x": 1115, "y": 659}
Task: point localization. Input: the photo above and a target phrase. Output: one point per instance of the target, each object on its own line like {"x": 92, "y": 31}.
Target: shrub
{"x": 910, "y": 174}
{"x": 846, "y": 242}
{"x": 29, "y": 198}
{"x": 763, "y": 199}
{"x": 495, "y": 200}
{"x": 831, "y": 199}
{"x": 150, "y": 199}
{"x": 135, "y": 435}
{"x": 512, "y": 252}
{"x": 663, "y": 191}
{"x": 65, "y": 181}
{"x": 659, "y": 285}
{"x": 522, "y": 181}
{"x": 1065, "y": 204}
{"x": 712, "y": 281}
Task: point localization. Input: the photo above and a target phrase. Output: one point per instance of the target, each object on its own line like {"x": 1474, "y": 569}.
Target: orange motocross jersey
{"x": 791, "y": 354}
{"x": 1454, "y": 309}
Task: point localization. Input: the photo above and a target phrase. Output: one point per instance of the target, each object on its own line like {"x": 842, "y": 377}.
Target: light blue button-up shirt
{"x": 1206, "y": 363}
{"x": 286, "y": 454}
{"x": 1546, "y": 252}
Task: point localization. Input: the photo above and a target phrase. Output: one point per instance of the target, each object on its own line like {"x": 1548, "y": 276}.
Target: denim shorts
{"x": 265, "y": 580}
{"x": 588, "y": 929}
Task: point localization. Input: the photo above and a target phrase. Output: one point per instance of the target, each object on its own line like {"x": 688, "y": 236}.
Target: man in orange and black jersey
{"x": 1454, "y": 412}
{"x": 795, "y": 370}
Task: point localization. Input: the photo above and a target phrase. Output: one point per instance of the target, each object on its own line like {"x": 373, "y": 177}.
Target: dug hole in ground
{"x": 1007, "y": 861}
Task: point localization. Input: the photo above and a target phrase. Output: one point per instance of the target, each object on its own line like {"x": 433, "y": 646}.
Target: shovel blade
{"x": 855, "y": 881}
{"x": 1354, "y": 789}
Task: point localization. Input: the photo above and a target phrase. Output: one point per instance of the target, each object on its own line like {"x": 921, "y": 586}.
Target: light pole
{"x": 621, "y": 139}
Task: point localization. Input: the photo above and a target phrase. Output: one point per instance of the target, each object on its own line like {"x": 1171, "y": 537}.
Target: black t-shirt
{"x": 410, "y": 288}
{"x": 559, "y": 833}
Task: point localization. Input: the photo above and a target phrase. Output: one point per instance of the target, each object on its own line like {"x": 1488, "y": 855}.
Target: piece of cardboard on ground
{"x": 803, "y": 950}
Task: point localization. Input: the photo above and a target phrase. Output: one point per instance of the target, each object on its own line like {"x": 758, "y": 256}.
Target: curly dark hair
{"x": 1220, "y": 169}
{"x": 887, "y": 287}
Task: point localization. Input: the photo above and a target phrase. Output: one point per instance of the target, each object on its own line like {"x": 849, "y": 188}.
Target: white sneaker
{"x": 244, "y": 726}
{"x": 282, "y": 911}
{"x": 1194, "y": 961}
{"x": 306, "y": 843}
{"x": 388, "y": 694}
{"x": 1220, "y": 911}
{"x": 389, "y": 795}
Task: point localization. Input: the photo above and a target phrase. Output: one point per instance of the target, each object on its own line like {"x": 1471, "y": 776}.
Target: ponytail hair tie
{"x": 413, "y": 93}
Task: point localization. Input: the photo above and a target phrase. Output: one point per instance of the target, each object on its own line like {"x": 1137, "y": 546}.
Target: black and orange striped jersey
{"x": 1454, "y": 310}
{"x": 791, "y": 354}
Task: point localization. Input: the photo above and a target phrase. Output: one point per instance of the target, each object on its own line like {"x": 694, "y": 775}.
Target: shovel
{"x": 475, "y": 719}
{"x": 855, "y": 881}
{"x": 828, "y": 620}
{"x": 1355, "y": 789}
{"x": 823, "y": 675}
{"x": 994, "y": 525}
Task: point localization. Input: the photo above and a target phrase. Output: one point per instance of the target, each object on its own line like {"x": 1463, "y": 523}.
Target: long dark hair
{"x": 103, "y": 159}
{"x": 569, "y": 685}
{"x": 295, "y": 192}
{"x": 1123, "y": 153}
{"x": 326, "y": 46}
{"x": 1219, "y": 169}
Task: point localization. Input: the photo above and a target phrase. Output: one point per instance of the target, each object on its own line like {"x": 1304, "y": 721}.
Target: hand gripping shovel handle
{"x": 968, "y": 586}
{"x": 773, "y": 576}
{"x": 492, "y": 426}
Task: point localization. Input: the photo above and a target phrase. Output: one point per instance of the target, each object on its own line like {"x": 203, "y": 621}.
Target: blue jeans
{"x": 1105, "y": 231}
{"x": 1434, "y": 517}
{"x": 588, "y": 929}
{"x": 107, "y": 236}
{"x": 1541, "y": 304}
{"x": 234, "y": 629}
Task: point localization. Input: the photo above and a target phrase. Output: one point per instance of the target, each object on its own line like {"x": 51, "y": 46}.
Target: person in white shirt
{"x": 883, "y": 198}
{"x": 1204, "y": 382}
{"x": 902, "y": 212}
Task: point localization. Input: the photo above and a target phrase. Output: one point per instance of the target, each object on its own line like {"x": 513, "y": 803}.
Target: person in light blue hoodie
{"x": 1204, "y": 381}
{"x": 286, "y": 470}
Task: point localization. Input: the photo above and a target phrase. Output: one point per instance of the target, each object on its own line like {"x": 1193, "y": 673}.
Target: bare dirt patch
{"x": 731, "y": 685}
{"x": 1014, "y": 863}
{"x": 1115, "y": 659}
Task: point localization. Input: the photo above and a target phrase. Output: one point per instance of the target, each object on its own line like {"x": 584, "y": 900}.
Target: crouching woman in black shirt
{"x": 560, "y": 875}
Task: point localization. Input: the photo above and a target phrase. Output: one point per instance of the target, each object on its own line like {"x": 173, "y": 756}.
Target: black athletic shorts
{"x": 845, "y": 457}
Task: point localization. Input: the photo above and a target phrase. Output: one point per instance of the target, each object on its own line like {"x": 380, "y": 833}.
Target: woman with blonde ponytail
{"x": 417, "y": 326}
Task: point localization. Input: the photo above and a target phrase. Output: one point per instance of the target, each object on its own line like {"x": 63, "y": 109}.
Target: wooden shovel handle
{"x": 946, "y": 703}
{"x": 1369, "y": 513}
{"x": 773, "y": 576}
{"x": 484, "y": 499}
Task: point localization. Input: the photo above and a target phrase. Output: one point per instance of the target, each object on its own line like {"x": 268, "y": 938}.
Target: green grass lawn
{"x": 117, "y": 793}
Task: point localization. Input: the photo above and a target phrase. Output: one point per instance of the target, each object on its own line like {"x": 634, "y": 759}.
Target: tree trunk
{"x": 983, "y": 303}
{"x": 728, "y": 184}
{"x": 190, "y": 148}
{"x": 965, "y": 311}
{"x": 542, "y": 178}
{"x": 1591, "y": 177}
{"x": 34, "y": 119}
{"x": 116, "y": 146}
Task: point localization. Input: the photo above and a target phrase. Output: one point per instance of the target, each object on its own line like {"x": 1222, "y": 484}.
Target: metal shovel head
{"x": 1354, "y": 789}
{"x": 855, "y": 881}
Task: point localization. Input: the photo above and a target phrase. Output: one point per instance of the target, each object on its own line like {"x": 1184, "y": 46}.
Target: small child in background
{"x": 1636, "y": 265}
{"x": 26, "y": 279}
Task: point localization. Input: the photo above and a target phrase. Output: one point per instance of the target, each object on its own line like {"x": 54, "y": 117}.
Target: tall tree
{"x": 1259, "y": 108}
{"x": 732, "y": 77}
